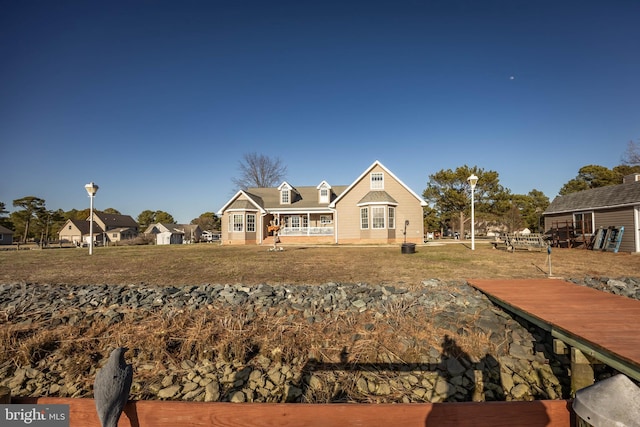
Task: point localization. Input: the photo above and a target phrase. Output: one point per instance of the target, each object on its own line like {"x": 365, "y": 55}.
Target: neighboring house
{"x": 6, "y": 236}
{"x": 373, "y": 209}
{"x": 611, "y": 206}
{"x": 106, "y": 227}
{"x": 174, "y": 234}
{"x": 77, "y": 231}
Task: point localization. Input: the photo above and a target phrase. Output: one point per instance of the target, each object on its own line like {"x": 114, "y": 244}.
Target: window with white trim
{"x": 251, "y": 222}
{"x": 326, "y": 219}
{"x": 305, "y": 221}
{"x": 364, "y": 218}
{"x": 377, "y": 216}
{"x": 377, "y": 181}
{"x": 324, "y": 195}
{"x": 236, "y": 222}
{"x": 392, "y": 217}
{"x": 284, "y": 197}
{"x": 583, "y": 222}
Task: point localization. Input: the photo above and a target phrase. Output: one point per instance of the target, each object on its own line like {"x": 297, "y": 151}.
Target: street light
{"x": 473, "y": 180}
{"x": 92, "y": 189}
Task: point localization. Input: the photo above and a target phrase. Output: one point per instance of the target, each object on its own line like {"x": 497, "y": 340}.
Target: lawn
{"x": 207, "y": 263}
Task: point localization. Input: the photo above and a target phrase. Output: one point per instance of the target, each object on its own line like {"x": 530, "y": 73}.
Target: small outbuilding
{"x": 6, "y": 236}
{"x": 582, "y": 214}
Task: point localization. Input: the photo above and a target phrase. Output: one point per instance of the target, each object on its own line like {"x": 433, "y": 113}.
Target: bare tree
{"x": 632, "y": 155}
{"x": 258, "y": 170}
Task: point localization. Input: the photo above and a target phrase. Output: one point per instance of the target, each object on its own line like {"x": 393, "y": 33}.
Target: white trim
{"x": 637, "y": 227}
{"x": 235, "y": 197}
{"x": 376, "y": 163}
{"x": 594, "y": 208}
{"x": 378, "y": 203}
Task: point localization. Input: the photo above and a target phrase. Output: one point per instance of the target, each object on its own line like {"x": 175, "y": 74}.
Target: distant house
{"x": 372, "y": 209}
{"x": 6, "y": 236}
{"x": 106, "y": 228}
{"x": 586, "y": 211}
{"x": 174, "y": 234}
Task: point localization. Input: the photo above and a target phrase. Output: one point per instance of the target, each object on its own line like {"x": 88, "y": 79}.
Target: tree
{"x": 632, "y": 155}
{"x": 258, "y": 170}
{"x": 207, "y": 221}
{"x": 448, "y": 192}
{"x": 595, "y": 176}
{"x": 112, "y": 211}
{"x": 31, "y": 206}
{"x": 147, "y": 217}
{"x": 4, "y": 220}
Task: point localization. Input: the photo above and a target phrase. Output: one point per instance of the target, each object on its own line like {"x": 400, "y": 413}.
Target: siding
{"x": 408, "y": 208}
{"x": 619, "y": 217}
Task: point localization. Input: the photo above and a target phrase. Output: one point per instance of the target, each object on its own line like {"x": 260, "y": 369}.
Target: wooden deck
{"x": 601, "y": 325}
{"x": 549, "y": 413}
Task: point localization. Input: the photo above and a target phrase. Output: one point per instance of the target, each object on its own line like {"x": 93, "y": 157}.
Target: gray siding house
{"x": 610, "y": 206}
{"x": 6, "y": 236}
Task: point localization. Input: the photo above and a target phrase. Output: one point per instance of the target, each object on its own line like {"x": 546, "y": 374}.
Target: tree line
{"x": 448, "y": 194}
{"x": 33, "y": 221}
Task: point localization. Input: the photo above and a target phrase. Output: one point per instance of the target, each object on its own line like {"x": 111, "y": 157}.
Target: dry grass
{"x": 205, "y": 263}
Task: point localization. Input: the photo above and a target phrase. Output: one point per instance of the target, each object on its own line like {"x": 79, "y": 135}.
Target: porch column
{"x": 308, "y": 224}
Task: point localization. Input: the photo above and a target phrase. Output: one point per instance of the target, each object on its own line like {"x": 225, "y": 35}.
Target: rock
{"x": 169, "y": 392}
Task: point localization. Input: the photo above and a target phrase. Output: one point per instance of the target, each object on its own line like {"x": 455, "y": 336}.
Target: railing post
{"x": 581, "y": 371}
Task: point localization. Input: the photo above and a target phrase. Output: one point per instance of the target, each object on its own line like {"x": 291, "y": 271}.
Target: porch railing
{"x": 306, "y": 231}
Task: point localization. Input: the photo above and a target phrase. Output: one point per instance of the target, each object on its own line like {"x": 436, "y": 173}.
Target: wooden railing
{"x": 550, "y": 413}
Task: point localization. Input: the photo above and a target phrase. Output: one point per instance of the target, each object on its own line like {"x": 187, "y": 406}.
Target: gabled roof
{"x": 83, "y": 226}
{"x": 611, "y": 196}
{"x": 115, "y": 221}
{"x": 5, "y": 230}
{"x": 366, "y": 172}
{"x": 305, "y": 197}
{"x": 254, "y": 202}
{"x": 163, "y": 228}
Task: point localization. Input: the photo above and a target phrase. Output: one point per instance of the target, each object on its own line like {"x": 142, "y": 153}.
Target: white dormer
{"x": 285, "y": 193}
{"x": 377, "y": 180}
{"x": 324, "y": 192}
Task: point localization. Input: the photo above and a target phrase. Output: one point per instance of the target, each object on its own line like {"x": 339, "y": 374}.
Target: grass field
{"x": 207, "y": 263}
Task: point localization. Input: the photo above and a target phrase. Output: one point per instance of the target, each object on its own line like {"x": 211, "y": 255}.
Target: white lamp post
{"x": 473, "y": 180}
{"x": 92, "y": 189}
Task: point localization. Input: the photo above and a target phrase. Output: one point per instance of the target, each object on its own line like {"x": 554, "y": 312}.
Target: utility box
{"x": 614, "y": 402}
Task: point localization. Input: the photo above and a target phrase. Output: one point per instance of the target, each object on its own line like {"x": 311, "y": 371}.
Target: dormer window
{"x": 377, "y": 181}
{"x": 285, "y": 193}
{"x": 324, "y": 193}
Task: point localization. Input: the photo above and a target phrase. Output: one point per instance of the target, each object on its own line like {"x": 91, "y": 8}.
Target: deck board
{"x": 603, "y": 321}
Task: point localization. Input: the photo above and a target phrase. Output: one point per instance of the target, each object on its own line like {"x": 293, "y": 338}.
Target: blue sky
{"x": 157, "y": 101}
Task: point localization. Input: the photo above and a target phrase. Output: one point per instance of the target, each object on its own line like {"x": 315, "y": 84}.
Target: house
{"x": 375, "y": 208}
{"x": 6, "y": 236}
{"x": 174, "y": 234}
{"x": 586, "y": 211}
{"x": 106, "y": 228}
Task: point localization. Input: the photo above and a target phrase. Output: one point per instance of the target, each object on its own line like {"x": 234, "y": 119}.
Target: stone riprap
{"x": 517, "y": 362}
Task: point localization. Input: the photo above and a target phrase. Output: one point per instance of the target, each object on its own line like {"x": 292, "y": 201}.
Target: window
{"x": 325, "y": 219}
{"x": 236, "y": 222}
{"x": 284, "y": 197}
{"x": 392, "y": 217}
{"x": 324, "y": 195}
{"x": 305, "y": 222}
{"x": 295, "y": 221}
{"x": 583, "y": 222}
{"x": 364, "y": 218}
{"x": 69, "y": 227}
{"x": 377, "y": 181}
{"x": 251, "y": 222}
{"x": 377, "y": 217}
{"x": 114, "y": 235}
